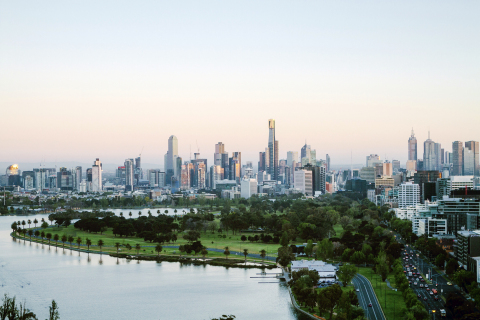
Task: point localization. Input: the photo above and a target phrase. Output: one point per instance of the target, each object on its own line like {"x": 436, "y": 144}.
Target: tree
{"x": 324, "y": 249}
{"x": 117, "y": 245}
{"x": 263, "y": 253}
{"x": 328, "y": 298}
{"x": 226, "y": 252}
{"x": 24, "y": 232}
{"x": 30, "y": 233}
{"x": 79, "y": 241}
{"x": 243, "y": 238}
{"x": 23, "y": 224}
{"x": 42, "y": 235}
{"x": 158, "y": 248}
{"x": 381, "y": 266}
{"x": 284, "y": 239}
{"x": 130, "y": 214}
{"x": 346, "y": 273}
{"x": 70, "y": 239}
{"x": 64, "y": 239}
{"x": 204, "y": 252}
{"x": 245, "y": 253}
{"x": 10, "y": 310}
{"x": 14, "y": 226}
{"x": 309, "y": 248}
{"x": 88, "y": 242}
{"x": 49, "y": 237}
{"x": 451, "y": 266}
{"x": 137, "y": 247}
{"x": 53, "y": 311}
{"x": 29, "y": 222}
{"x": 56, "y": 237}
{"x": 100, "y": 244}
{"x": 357, "y": 257}
{"x": 44, "y": 225}
{"x": 37, "y": 233}
{"x": 285, "y": 256}
{"x": 440, "y": 261}
{"x": 35, "y": 221}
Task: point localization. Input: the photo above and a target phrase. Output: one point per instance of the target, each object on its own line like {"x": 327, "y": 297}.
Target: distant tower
{"x": 457, "y": 154}
{"x": 170, "y": 157}
{"x": 412, "y": 147}
{"x": 272, "y": 168}
{"x": 97, "y": 176}
{"x": 429, "y": 154}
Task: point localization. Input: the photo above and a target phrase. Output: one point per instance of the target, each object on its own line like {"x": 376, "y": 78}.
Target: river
{"x": 102, "y": 287}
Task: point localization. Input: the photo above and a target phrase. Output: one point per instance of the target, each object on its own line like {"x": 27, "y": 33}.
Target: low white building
{"x": 326, "y": 271}
{"x": 248, "y": 188}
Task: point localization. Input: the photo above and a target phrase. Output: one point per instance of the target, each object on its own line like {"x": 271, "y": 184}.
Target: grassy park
{"x": 391, "y": 301}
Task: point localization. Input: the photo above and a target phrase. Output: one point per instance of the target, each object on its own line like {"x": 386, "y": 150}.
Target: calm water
{"x": 94, "y": 287}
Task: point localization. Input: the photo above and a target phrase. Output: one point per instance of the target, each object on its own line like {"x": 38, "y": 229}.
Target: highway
{"x": 366, "y": 295}
{"x": 417, "y": 264}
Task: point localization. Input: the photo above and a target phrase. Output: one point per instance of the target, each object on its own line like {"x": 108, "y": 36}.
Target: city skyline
{"x": 78, "y": 90}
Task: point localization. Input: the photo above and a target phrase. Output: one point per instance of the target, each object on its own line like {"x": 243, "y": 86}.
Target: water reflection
{"x": 37, "y": 275}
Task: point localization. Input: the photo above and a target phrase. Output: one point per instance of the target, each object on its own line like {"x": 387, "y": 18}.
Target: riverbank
{"x": 229, "y": 263}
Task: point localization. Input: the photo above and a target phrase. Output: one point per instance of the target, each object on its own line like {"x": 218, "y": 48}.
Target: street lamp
{"x": 433, "y": 311}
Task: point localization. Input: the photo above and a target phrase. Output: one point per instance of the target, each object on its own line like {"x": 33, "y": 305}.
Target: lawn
{"x": 391, "y": 301}
{"x": 338, "y": 230}
{"x": 208, "y": 239}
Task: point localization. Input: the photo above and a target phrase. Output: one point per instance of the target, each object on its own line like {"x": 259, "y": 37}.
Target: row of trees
{"x": 327, "y": 300}
{"x": 11, "y": 310}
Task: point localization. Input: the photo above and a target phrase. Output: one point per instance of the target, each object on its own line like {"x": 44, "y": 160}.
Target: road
{"x": 366, "y": 295}
{"x": 417, "y": 264}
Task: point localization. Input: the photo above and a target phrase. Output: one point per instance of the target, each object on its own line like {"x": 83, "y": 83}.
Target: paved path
{"x": 365, "y": 296}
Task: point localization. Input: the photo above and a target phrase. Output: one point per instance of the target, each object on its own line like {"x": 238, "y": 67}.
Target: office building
{"x": 129, "y": 174}
{"x": 272, "y": 166}
{"x": 28, "y": 180}
{"x": 97, "y": 184}
{"x": 303, "y": 182}
{"x": 423, "y": 178}
{"x": 170, "y": 159}
{"x": 408, "y": 194}
{"x": 78, "y": 177}
{"x": 387, "y": 169}
{"x": 457, "y": 155}
{"x": 373, "y": 160}
{"x": 429, "y": 155}
{"x": 65, "y": 180}
{"x": 248, "y": 188}
{"x": 368, "y": 174}
{"x": 327, "y": 160}
{"x": 471, "y": 158}
{"x": 412, "y": 147}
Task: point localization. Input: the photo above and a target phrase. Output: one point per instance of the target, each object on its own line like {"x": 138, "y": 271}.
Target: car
{"x": 415, "y": 283}
{"x": 449, "y": 283}
{"x": 426, "y": 285}
{"x": 436, "y": 298}
{"x": 419, "y": 295}
{"x": 428, "y": 289}
{"x": 422, "y": 280}
{"x": 369, "y": 304}
{"x": 404, "y": 271}
{"x": 431, "y": 293}
{"x": 420, "y": 277}
{"x": 425, "y": 299}
{"x": 358, "y": 290}
{"x": 421, "y": 285}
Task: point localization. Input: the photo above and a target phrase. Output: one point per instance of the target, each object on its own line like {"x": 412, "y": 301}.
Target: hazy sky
{"x": 87, "y": 79}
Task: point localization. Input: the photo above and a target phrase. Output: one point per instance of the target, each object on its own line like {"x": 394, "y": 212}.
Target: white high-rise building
{"x": 303, "y": 182}
{"x": 408, "y": 194}
{"x": 129, "y": 174}
{"x": 292, "y": 156}
{"x": 97, "y": 176}
{"x": 249, "y": 188}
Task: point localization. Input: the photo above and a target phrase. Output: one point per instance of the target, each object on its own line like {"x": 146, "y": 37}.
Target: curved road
{"x": 365, "y": 296}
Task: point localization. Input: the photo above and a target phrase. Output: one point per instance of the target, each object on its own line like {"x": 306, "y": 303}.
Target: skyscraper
{"x": 272, "y": 166}
{"x": 78, "y": 177}
{"x": 474, "y": 168}
{"x": 327, "y": 159}
{"x": 457, "y": 155}
{"x": 97, "y": 176}
{"x": 429, "y": 155}
{"x": 129, "y": 174}
{"x": 305, "y": 155}
{"x": 412, "y": 147}
{"x": 217, "y": 156}
{"x": 170, "y": 158}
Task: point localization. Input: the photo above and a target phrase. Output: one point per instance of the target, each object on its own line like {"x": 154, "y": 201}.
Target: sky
{"x": 81, "y": 80}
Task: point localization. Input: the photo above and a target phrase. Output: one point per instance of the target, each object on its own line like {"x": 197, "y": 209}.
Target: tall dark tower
{"x": 412, "y": 147}
{"x": 272, "y": 151}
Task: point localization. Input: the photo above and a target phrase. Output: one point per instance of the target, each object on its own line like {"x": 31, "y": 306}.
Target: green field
{"x": 391, "y": 301}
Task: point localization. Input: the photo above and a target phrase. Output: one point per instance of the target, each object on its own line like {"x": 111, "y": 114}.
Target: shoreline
{"x": 221, "y": 262}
